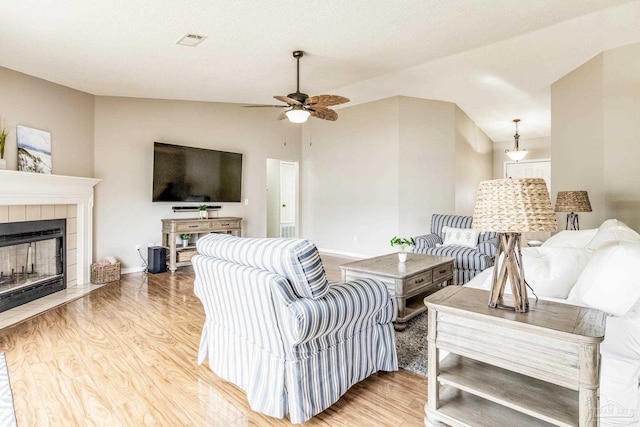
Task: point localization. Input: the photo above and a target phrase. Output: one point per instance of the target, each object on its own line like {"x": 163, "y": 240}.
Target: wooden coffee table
{"x": 408, "y": 282}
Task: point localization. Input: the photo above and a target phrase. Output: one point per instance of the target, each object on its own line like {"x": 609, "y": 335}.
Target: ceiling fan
{"x": 301, "y": 106}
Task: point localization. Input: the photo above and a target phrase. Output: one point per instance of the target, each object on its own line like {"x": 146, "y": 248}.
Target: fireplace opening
{"x": 32, "y": 261}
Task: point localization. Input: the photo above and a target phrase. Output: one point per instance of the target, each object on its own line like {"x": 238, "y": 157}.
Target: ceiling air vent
{"x": 191, "y": 40}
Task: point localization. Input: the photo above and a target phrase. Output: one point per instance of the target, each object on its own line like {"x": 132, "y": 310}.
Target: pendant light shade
{"x": 297, "y": 115}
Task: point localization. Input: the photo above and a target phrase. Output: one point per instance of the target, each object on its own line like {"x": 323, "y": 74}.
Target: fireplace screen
{"x": 32, "y": 262}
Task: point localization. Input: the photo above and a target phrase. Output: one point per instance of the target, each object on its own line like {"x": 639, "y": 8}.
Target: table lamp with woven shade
{"x": 573, "y": 201}
{"x": 510, "y": 207}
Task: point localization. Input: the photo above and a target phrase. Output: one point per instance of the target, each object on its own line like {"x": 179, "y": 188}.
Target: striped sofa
{"x": 279, "y": 330}
{"x": 469, "y": 261}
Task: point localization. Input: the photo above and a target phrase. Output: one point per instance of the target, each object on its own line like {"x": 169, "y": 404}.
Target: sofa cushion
{"x": 296, "y": 259}
{"x": 570, "y": 239}
{"x": 464, "y": 258}
{"x": 610, "y": 282}
{"x": 553, "y": 272}
{"x": 439, "y": 221}
{"x": 467, "y": 237}
{"x": 612, "y": 231}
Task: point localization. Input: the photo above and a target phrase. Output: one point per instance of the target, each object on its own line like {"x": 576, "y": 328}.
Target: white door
{"x": 288, "y": 181}
{"x": 529, "y": 169}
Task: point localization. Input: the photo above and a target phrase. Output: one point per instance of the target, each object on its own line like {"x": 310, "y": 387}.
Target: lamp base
{"x": 510, "y": 268}
{"x": 572, "y": 222}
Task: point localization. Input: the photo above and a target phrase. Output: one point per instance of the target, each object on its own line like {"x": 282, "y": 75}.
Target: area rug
{"x": 411, "y": 344}
{"x": 7, "y": 414}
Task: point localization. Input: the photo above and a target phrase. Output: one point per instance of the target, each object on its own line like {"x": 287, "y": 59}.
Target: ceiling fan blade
{"x": 288, "y": 100}
{"x": 327, "y": 100}
{"x": 324, "y": 113}
{"x": 282, "y": 116}
{"x": 262, "y": 106}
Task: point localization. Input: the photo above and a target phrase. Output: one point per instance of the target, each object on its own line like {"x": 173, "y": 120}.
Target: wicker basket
{"x": 186, "y": 255}
{"x": 105, "y": 273}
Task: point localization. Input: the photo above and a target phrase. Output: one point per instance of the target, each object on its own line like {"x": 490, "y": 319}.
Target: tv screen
{"x": 188, "y": 174}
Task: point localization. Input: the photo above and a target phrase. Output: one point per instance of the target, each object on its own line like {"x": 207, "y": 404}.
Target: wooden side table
{"x": 173, "y": 227}
{"x": 511, "y": 369}
{"x": 409, "y": 282}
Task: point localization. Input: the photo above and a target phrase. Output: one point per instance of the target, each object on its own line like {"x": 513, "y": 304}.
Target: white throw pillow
{"x": 460, "y": 236}
{"x": 570, "y": 239}
{"x": 551, "y": 272}
{"x": 610, "y": 281}
{"x": 612, "y": 231}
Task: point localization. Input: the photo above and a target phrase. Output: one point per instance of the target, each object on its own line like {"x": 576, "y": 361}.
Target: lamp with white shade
{"x": 511, "y": 207}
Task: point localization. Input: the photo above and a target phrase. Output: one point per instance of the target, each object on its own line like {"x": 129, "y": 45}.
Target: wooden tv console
{"x": 173, "y": 227}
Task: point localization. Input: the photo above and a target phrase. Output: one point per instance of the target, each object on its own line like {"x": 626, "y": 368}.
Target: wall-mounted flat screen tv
{"x": 189, "y": 174}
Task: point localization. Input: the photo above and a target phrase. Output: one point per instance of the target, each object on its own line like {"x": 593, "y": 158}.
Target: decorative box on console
{"x": 186, "y": 255}
{"x": 105, "y": 273}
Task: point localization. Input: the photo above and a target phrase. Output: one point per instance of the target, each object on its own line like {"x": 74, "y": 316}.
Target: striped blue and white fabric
{"x": 468, "y": 262}
{"x": 7, "y": 414}
{"x": 290, "y": 353}
{"x": 296, "y": 259}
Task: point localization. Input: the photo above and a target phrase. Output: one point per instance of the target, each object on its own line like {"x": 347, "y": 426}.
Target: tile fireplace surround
{"x": 30, "y": 196}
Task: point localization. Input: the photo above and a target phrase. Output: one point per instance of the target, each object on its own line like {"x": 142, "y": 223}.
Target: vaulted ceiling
{"x": 496, "y": 59}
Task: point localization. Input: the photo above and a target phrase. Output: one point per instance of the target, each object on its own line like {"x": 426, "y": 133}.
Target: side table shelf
{"x": 539, "y": 368}
{"x": 173, "y": 227}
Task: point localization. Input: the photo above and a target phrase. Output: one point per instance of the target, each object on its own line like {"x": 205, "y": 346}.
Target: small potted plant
{"x": 185, "y": 239}
{"x": 203, "y": 211}
{"x": 4, "y": 132}
{"x": 403, "y": 243}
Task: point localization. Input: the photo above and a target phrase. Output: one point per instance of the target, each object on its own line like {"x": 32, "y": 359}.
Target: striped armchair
{"x": 276, "y": 328}
{"x": 469, "y": 260}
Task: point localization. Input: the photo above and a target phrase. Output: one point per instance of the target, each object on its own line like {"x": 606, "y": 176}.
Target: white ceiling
{"x": 496, "y": 59}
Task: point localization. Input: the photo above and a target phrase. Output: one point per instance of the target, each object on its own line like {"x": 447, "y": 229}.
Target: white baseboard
{"x": 130, "y": 270}
{"x": 343, "y": 253}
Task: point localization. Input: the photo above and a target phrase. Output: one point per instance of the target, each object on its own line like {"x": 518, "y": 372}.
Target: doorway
{"x": 529, "y": 169}
{"x": 282, "y": 198}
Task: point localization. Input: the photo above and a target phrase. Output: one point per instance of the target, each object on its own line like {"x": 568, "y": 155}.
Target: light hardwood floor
{"x": 125, "y": 355}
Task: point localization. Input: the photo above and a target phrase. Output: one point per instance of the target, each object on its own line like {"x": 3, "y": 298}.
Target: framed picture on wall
{"x": 34, "y": 150}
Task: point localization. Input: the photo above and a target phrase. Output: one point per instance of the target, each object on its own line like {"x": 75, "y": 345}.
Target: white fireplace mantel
{"x": 24, "y": 188}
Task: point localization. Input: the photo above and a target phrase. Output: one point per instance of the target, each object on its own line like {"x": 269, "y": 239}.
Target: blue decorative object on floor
{"x": 7, "y": 414}
{"x": 411, "y": 345}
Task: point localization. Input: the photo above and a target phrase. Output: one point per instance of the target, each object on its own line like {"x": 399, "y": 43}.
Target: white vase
{"x": 185, "y": 243}
{"x": 204, "y": 214}
{"x": 402, "y": 256}
{"x": 3, "y": 164}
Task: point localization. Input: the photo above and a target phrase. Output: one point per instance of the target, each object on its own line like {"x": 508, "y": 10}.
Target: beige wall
{"x": 349, "y": 177}
{"x": 427, "y": 154}
{"x": 473, "y": 161}
{"x": 124, "y": 134}
{"x": 594, "y": 135}
{"x": 621, "y": 117}
{"x": 384, "y": 168}
{"x": 67, "y": 113}
{"x": 538, "y": 148}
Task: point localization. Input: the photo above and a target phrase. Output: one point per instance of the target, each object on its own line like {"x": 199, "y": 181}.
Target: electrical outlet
{"x": 137, "y": 248}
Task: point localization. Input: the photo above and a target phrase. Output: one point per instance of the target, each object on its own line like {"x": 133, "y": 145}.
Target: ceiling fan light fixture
{"x": 298, "y": 115}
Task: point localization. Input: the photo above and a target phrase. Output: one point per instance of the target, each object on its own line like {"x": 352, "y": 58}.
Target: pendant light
{"x": 516, "y": 154}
